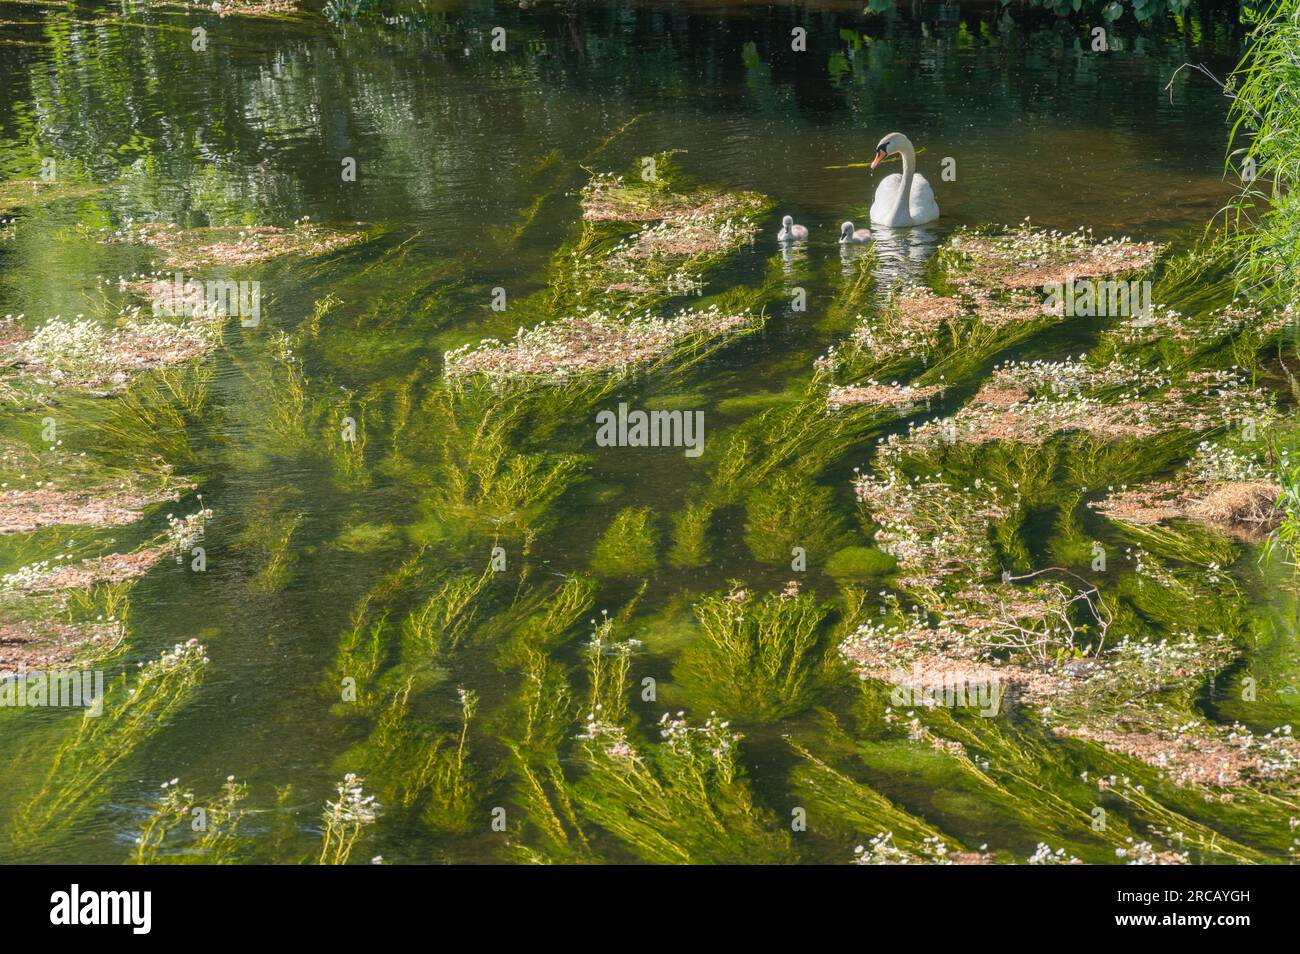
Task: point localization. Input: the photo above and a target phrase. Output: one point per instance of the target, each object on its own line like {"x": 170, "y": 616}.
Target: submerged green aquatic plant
{"x": 800, "y": 434}
{"x": 215, "y": 826}
{"x": 442, "y": 622}
{"x": 691, "y": 544}
{"x": 829, "y": 793}
{"x": 156, "y": 416}
{"x": 786, "y": 513}
{"x": 683, "y": 800}
{"x": 362, "y": 651}
{"x": 454, "y": 789}
{"x": 484, "y": 486}
{"x": 651, "y": 236}
{"x": 548, "y": 619}
{"x": 758, "y": 659}
{"x": 599, "y": 315}
{"x": 490, "y": 454}
{"x": 629, "y": 546}
{"x": 266, "y": 540}
{"x": 414, "y": 768}
{"x": 135, "y": 707}
{"x": 346, "y": 820}
{"x": 1284, "y": 541}
{"x": 543, "y": 720}
{"x": 608, "y": 663}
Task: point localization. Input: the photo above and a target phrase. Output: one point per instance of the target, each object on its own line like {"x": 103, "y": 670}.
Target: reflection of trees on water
{"x": 254, "y": 128}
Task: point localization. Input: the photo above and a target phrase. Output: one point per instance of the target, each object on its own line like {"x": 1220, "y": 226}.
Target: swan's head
{"x": 846, "y": 230}
{"x": 892, "y": 144}
{"x": 787, "y": 222}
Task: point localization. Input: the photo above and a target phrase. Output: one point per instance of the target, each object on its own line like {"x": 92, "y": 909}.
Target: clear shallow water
{"x": 453, "y": 143}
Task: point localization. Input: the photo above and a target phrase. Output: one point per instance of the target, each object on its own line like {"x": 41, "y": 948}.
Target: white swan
{"x": 851, "y": 236}
{"x": 905, "y": 199}
{"x": 791, "y": 232}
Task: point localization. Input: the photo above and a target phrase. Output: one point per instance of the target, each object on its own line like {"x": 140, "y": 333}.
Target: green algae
{"x": 214, "y": 825}
{"x": 83, "y": 766}
{"x": 684, "y": 800}
{"x": 629, "y": 545}
{"x": 859, "y": 563}
{"x": 758, "y": 660}
{"x": 23, "y": 194}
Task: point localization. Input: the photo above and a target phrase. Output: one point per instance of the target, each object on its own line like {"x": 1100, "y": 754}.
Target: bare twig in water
{"x": 1091, "y": 596}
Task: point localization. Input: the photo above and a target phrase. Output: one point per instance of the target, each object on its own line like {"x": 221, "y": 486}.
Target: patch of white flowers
{"x": 353, "y": 806}
{"x": 183, "y": 533}
{"x": 882, "y": 850}
{"x": 1216, "y": 463}
{"x": 1044, "y": 855}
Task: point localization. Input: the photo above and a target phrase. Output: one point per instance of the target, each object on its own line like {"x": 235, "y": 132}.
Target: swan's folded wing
{"x": 921, "y": 203}
{"x": 882, "y": 206}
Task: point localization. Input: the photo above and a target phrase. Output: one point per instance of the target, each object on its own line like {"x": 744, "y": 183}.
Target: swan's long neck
{"x": 903, "y": 203}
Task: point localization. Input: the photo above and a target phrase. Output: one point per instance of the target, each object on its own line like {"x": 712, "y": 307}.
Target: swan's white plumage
{"x": 919, "y": 205}
{"x": 919, "y": 208}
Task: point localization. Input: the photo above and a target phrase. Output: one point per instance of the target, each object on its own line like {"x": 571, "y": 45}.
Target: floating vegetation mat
{"x": 114, "y": 568}
{"x": 57, "y": 611}
{"x": 596, "y": 342}
{"x": 1220, "y": 487}
{"x": 232, "y": 245}
{"x": 1032, "y": 403}
{"x": 1025, "y": 257}
{"x": 24, "y": 193}
{"x": 882, "y": 395}
{"x": 615, "y": 198}
{"x": 1164, "y": 413}
{"x": 45, "y": 645}
{"x": 648, "y": 240}
{"x": 1201, "y": 755}
{"x": 83, "y": 501}
{"x": 251, "y": 8}
{"x": 598, "y": 315}
{"x": 991, "y": 290}
{"x": 85, "y": 354}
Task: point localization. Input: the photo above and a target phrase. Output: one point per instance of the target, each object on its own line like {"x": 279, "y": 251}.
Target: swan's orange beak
{"x": 880, "y": 155}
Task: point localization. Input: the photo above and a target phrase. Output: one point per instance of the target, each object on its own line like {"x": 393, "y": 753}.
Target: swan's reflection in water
{"x": 793, "y": 253}
{"x": 901, "y": 254}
